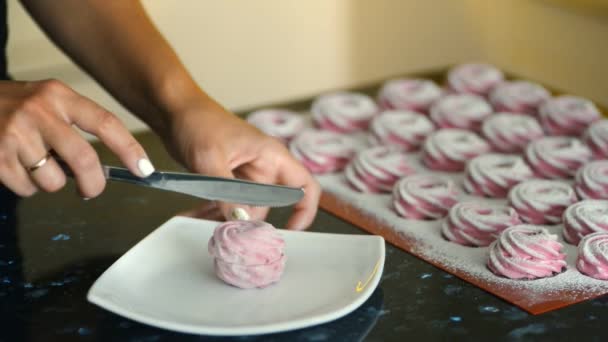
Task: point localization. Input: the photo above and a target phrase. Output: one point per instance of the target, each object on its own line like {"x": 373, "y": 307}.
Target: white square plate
{"x": 167, "y": 280}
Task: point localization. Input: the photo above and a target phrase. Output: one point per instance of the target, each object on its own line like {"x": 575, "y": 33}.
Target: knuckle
{"x": 34, "y": 108}
{"x": 271, "y": 142}
{"x": 33, "y": 104}
{"x": 85, "y": 158}
{"x": 201, "y": 160}
{"x": 9, "y": 139}
{"x": 107, "y": 121}
{"x": 198, "y": 161}
{"x": 276, "y": 148}
{"x": 133, "y": 146}
{"x": 51, "y": 87}
{"x": 13, "y": 130}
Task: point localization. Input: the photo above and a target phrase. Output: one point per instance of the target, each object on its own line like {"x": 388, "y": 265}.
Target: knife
{"x": 207, "y": 187}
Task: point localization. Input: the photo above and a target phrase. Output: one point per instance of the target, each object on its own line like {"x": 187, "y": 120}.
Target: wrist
{"x": 177, "y": 97}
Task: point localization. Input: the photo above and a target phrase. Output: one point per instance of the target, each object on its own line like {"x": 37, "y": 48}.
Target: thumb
{"x": 218, "y": 167}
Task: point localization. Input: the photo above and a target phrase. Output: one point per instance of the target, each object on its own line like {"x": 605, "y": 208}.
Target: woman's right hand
{"x": 37, "y": 117}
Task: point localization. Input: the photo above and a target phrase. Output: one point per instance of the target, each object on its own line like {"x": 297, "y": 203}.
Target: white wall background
{"x": 248, "y": 53}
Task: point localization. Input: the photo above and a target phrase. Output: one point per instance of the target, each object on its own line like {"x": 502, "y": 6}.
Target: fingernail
{"x": 239, "y": 214}
{"x": 145, "y": 167}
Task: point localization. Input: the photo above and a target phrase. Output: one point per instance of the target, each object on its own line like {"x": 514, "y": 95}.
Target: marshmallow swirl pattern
{"x": 449, "y": 149}
{"x": 409, "y": 94}
{"x": 584, "y": 218}
{"x": 403, "y": 128}
{"x": 476, "y": 223}
{"x": 593, "y": 256}
{"x": 494, "y": 174}
{"x": 378, "y": 168}
{"x": 596, "y": 137}
{"x": 343, "y": 112}
{"x": 592, "y": 180}
{"x": 568, "y": 115}
{"x": 510, "y": 133}
{"x": 518, "y": 97}
{"x": 423, "y": 197}
{"x": 280, "y": 123}
{"x": 247, "y": 254}
{"x": 474, "y": 78}
{"x": 464, "y": 111}
{"x": 541, "y": 201}
{"x": 323, "y": 151}
{"x": 526, "y": 252}
{"x": 557, "y": 157}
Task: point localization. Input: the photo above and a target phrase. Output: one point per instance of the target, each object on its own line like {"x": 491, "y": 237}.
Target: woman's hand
{"x": 199, "y": 132}
{"x": 212, "y": 141}
{"x": 36, "y": 117}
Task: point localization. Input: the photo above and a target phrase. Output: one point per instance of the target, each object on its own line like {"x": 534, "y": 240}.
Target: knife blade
{"x": 207, "y": 187}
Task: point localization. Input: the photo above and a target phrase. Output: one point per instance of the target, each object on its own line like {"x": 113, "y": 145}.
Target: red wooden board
{"x": 547, "y": 301}
{"x": 533, "y": 303}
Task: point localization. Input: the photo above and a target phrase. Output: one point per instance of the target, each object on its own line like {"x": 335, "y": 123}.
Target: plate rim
{"x": 99, "y": 300}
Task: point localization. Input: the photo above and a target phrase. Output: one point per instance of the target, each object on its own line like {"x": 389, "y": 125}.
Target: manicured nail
{"x": 145, "y": 167}
{"x": 239, "y": 214}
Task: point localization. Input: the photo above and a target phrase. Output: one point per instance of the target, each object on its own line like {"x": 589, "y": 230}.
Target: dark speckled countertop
{"x": 54, "y": 246}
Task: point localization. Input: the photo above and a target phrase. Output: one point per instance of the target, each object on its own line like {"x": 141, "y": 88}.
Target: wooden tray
{"x": 550, "y": 300}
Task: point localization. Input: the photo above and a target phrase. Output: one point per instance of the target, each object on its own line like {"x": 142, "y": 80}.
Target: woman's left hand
{"x": 212, "y": 141}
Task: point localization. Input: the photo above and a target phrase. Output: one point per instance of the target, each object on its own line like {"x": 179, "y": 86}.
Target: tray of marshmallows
{"x": 493, "y": 179}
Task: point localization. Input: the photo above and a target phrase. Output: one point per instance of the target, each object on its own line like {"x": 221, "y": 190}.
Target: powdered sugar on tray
{"x": 431, "y": 246}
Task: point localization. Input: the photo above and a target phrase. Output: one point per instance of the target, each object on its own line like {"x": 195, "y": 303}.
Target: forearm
{"x": 118, "y": 45}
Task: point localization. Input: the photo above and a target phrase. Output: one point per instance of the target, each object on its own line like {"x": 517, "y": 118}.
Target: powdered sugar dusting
{"x": 569, "y": 285}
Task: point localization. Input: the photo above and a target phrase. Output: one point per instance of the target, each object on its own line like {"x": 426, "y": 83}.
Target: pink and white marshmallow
{"x": 283, "y": 124}
{"x": 377, "y": 169}
{"x": 449, "y": 149}
{"x": 424, "y": 197}
{"x": 323, "y": 151}
{"x": 403, "y": 128}
{"x": 596, "y": 137}
{"x": 557, "y": 157}
{"x": 593, "y": 256}
{"x": 474, "y": 78}
{"x": 343, "y": 112}
{"x": 409, "y": 94}
{"x": 247, "y": 254}
{"x": 568, "y": 115}
{"x": 540, "y": 201}
{"x": 509, "y": 132}
{"x": 477, "y": 224}
{"x": 519, "y": 97}
{"x": 591, "y": 181}
{"x": 526, "y": 252}
{"x": 494, "y": 174}
{"x": 464, "y": 111}
{"x": 584, "y": 218}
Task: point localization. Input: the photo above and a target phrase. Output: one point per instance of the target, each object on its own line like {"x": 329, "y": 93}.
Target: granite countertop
{"x": 54, "y": 246}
